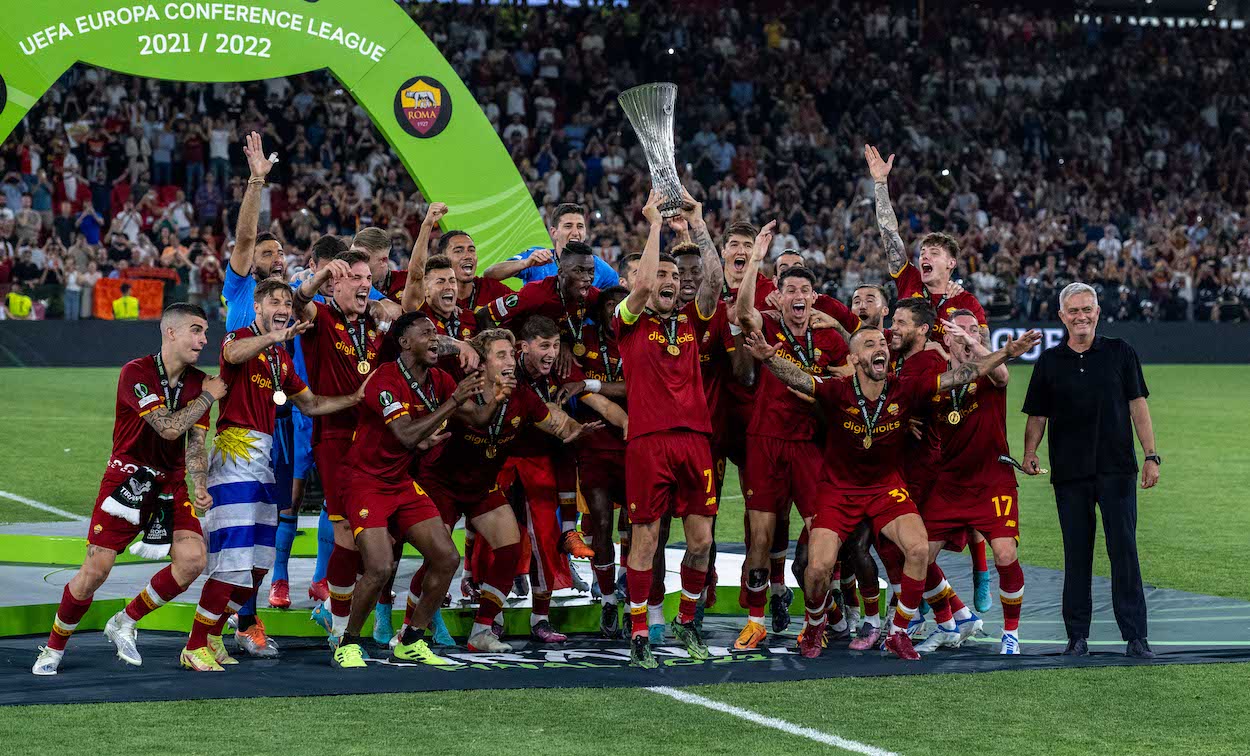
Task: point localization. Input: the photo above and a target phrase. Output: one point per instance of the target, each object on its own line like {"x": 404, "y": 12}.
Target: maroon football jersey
{"x": 665, "y": 389}
{"x": 249, "y": 404}
{"x": 853, "y": 468}
{"x": 532, "y": 441}
{"x": 461, "y": 325}
{"x": 838, "y": 311}
{"x": 971, "y": 447}
{"x": 464, "y": 465}
{"x": 543, "y": 298}
{"x": 603, "y": 363}
{"x": 393, "y": 286}
{"x": 483, "y": 291}
{"x": 139, "y": 392}
{"x": 923, "y": 455}
{"x": 331, "y": 359}
{"x": 910, "y": 285}
{"x": 778, "y": 413}
{"x": 375, "y": 450}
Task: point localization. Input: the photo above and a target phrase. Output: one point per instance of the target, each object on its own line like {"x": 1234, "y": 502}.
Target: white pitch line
{"x": 777, "y": 724}
{"x": 40, "y": 505}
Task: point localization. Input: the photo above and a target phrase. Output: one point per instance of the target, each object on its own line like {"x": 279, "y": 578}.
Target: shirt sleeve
{"x": 605, "y": 276}
{"x": 838, "y": 311}
{"x": 507, "y": 308}
{"x": 1134, "y": 380}
{"x": 233, "y": 286}
{"x": 383, "y": 398}
{"x": 908, "y": 281}
{"x": 1037, "y": 398}
{"x": 624, "y": 316}
{"x": 138, "y": 391}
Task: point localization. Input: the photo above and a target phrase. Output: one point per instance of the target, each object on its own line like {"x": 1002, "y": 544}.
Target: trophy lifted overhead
{"x": 649, "y": 107}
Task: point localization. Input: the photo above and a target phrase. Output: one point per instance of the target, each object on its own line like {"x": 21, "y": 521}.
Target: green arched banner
{"x": 372, "y": 46}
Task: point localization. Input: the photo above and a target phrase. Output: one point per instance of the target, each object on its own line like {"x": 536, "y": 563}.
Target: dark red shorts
{"x": 329, "y": 454}
{"x": 669, "y": 473}
{"x": 373, "y": 503}
{"x": 952, "y": 510}
{"x": 921, "y": 488}
{"x": 451, "y": 508}
{"x": 842, "y": 512}
{"x": 601, "y": 468}
{"x": 110, "y": 532}
{"x": 779, "y": 471}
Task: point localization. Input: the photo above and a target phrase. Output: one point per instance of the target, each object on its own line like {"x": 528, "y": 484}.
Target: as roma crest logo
{"x": 423, "y": 107}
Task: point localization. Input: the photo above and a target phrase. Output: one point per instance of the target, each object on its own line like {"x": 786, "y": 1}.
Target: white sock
{"x": 840, "y": 625}
{"x": 339, "y": 625}
{"x": 757, "y": 620}
{"x": 777, "y": 589}
{"x": 567, "y": 525}
{"x": 655, "y": 614}
{"x": 478, "y": 627}
{"x": 536, "y": 618}
{"x": 948, "y": 626}
{"x": 1013, "y": 633}
{"x": 124, "y": 619}
{"x": 874, "y": 620}
{"x": 962, "y": 614}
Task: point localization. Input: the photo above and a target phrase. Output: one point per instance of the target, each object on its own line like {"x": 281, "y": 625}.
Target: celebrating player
{"x": 341, "y": 349}
{"x": 408, "y": 403}
{"x": 868, "y": 418}
{"x": 783, "y": 461}
{"x": 162, "y": 401}
{"x": 536, "y": 263}
{"x": 242, "y": 524}
{"x": 461, "y": 478}
{"x": 668, "y": 462}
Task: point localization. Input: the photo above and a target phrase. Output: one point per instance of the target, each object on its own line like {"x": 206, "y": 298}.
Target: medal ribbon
{"x": 607, "y": 359}
{"x": 574, "y": 330}
{"x": 859, "y": 396}
{"x": 496, "y": 423}
{"x": 171, "y": 399}
{"x": 271, "y": 358}
{"x": 804, "y": 357}
{"x": 358, "y": 339}
{"x": 957, "y": 395}
{"x": 431, "y": 400}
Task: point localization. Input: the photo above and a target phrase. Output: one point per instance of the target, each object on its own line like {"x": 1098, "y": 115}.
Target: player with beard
{"x": 462, "y": 477}
{"x": 868, "y": 417}
{"x": 668, "y": 462}
{"x": 340, "y": 350}
{"x": 601, "y": 455}
{"x": 162, "y": 399}
{"x": 626, "y": 267}
{"x": 783, "y": 462}
{"x": 431, "y": 290}
{"x": 846, "y": 321}
{"x": 375, "y": 244}
{"x": 538, "y": 462}
{"x": 537, "y": 263}
{"x": 472, "y": 291}
{"x": 408, "y": 403}
{"x": 939, "y": 256}
{"x": 870, "y": 304}
{"x": 242, "y": 525}
{"x": 255, "y": 257}
{"x": 975, "y": 489}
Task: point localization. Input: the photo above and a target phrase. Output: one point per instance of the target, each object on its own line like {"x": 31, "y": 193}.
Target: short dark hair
{"x": 921, "y": 310}
{"x": 266, "y": 236}
{"x": 684, "y": 249}
{"x": 798, "y": 271}
{"x": 960, "y": 313}
{"x": 539, "y": 327}
{"x": 667, "y": 258}
{"x": 566, "y": 208}
{"x": 184, "y": 308}
{"x": 327, "y": 248}
{"x": 578, "y": 248}
{"x": 125, "y": 288}
{"x": 444, "y": 241}
{"x": 269, "y": 285}
{"x": 404, "y": 322}
{"x": 351, "y": 257}
{"x": 626, "y": 260}
{"x": 739, "y": 229}
{"x": 875, "y": 287}
{"x": 612, "y": 292}
{"x": 437, "y": 262}
{"x": 944, "y": 241}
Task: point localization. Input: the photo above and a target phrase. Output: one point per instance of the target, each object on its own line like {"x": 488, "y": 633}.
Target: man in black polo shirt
{"x": 1091, "y": 388}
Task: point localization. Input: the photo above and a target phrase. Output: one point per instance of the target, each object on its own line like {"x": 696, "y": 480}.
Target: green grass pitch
{"x": 55, "y": 432}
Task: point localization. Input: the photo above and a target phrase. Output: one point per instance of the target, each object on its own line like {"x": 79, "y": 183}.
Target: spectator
{"x": 88, "y": 280}
{"x": 126, "y": 307}
{"x": 18, "y": 305}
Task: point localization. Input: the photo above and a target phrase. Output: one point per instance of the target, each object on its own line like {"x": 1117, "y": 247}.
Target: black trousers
{"x": 1116, "y": 497}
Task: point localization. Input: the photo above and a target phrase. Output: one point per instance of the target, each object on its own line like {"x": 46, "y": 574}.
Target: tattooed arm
{"x": 979, "y": 366}
{"x": 172, "y": 425}
{"x": 563, "y": 427}
{"x": 197, "y": 468}
{"x": 447, "y": 346}
{"x": 786, "y": 371}
{"x": 895, "y": 253}
{"x": 713, "y": 274}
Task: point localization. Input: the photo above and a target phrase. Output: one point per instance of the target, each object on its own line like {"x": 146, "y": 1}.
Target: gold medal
{"x": 674, "y": 350}
{"x": 279, "y": 397}
{"x": 954, "y": 417}
{"x": 491, "y": 451}
{"x": 362, "y": 367}
{"x": 579, "y": 349}
{"x": 867, "y": 442}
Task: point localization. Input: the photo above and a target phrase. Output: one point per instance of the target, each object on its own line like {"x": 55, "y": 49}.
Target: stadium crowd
{"x": 1054, "y": 151}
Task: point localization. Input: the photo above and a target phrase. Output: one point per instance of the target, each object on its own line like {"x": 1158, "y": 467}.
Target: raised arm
{"x": 786, "y": 371}
{"x": 999, "y": 375}
{"x": 895, "y": 253}
{"x": 510, "y": 268}
{"x": 979, "y": 366}
{"x": 643, "y": 281}
{"x": 303, "y": 296}
{"x": 1140, "y": 413}
{"x": 172, "y": 425}
{"x": 414, "y": 289}
{"x": 748, "y": 317}
{"x": 713, "y": 274}
{"x": 241, "y": 350}
{"x": 249, "y": 212}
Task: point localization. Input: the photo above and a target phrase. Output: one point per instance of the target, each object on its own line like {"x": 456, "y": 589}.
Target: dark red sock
{"x": 341, "y": 575}
{"x": 692, "y": 581}
{"x": 542, "y": 606}
{"x": 977, "y": 548}
{"x": 892, "y": 559}
{"x": 605, "y": 578}
{"x": 938, "y": 592}
{"x": 872, "y": 602}
{"x": 912, "y": 591}
{"x": 777, "y": 570}
{"x": 158, "y": 592}
{"x": 213, "y": 601}
{"x": 639, "y": 582}
{"x": 68, "y": 615}
{"x": 757, "y": 594}
{"x": 1011, "y": 593}
{"x": 497, "y": 582}
{"x": 814, "y": 609}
